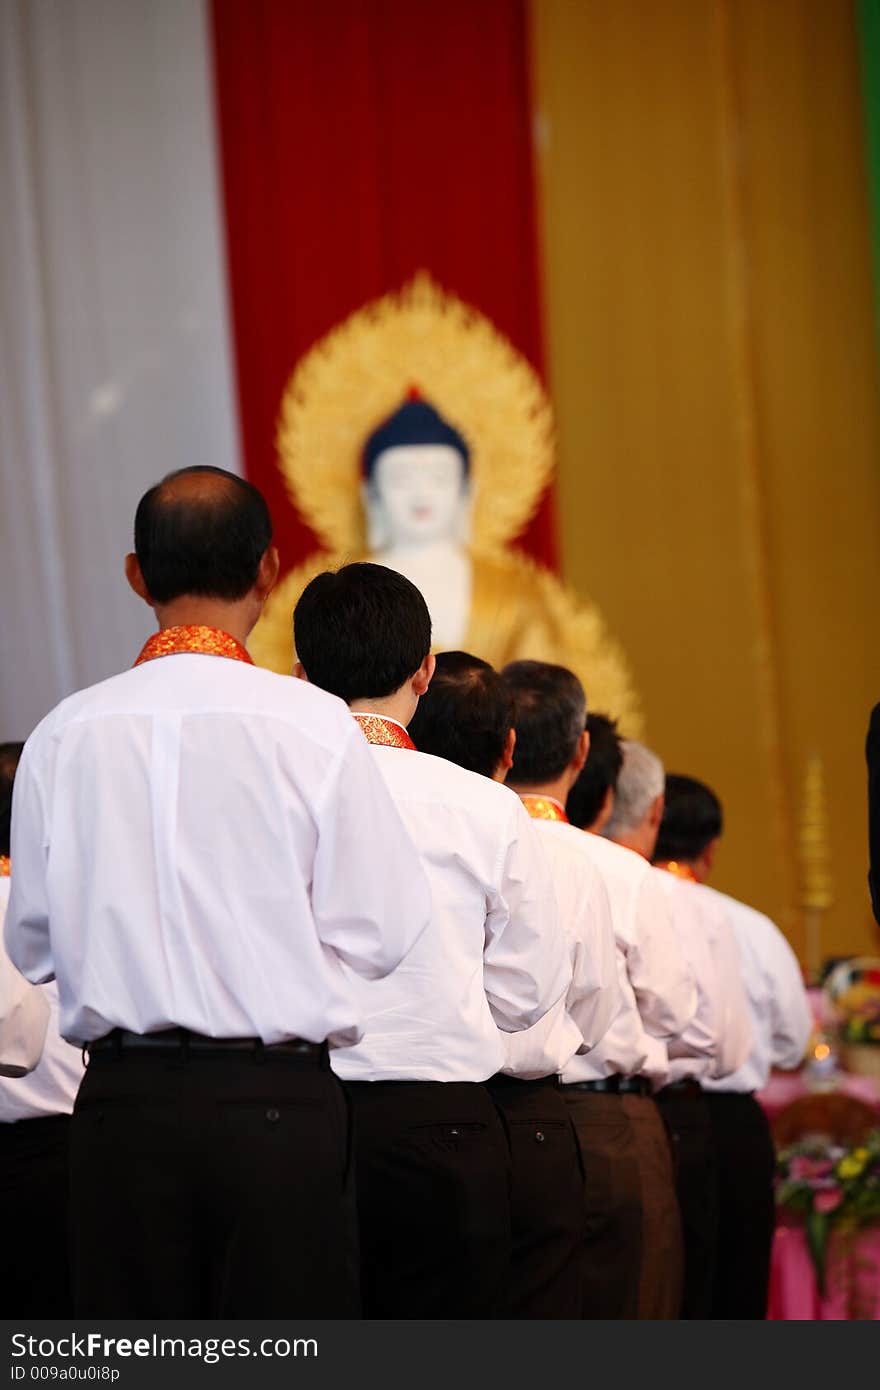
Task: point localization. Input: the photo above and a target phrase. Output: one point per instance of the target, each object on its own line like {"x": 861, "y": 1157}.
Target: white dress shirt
{"x": 778, "y": 1005}
{"x": 204, "y": 844}
{"x": 658, "y": 996}
{"x": 24, "y": 1012}
{"x": 718, "y": 1038}
{"x": 593, "y": 998}
{"x": 494, "y": 959}
{"x": 50, "y": 1089}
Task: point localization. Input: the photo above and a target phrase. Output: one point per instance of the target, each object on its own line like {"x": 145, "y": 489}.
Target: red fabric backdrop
{"x": 362, "y": 140}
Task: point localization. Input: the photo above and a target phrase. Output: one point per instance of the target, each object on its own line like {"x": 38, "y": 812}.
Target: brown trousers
{"x": 632, "y": 1259}
{"x": 662, "y": 1262}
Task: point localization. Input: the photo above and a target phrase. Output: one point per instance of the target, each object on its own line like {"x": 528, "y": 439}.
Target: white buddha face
{"x": 419, "y": 490}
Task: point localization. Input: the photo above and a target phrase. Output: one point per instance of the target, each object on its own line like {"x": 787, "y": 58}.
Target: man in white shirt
{"x": 467, "y": 717}
{"x": 34, "y": 1132}
{"x": 431, "y": 1157}
{"x": 780, "y": 1017}
{"x": 202, "y": 853}
{"x": 632, "y": 1251}
{"x": 591, "y": 799}
{"x": 634, "y": 824}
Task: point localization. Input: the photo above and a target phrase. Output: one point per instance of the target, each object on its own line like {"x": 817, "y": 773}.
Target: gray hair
{"x": 641, "y": 781}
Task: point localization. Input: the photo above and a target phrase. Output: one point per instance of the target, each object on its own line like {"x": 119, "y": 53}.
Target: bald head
{"x": 201, "y": 531}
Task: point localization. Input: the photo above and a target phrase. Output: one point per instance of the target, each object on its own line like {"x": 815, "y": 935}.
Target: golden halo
{"x": 352, "y": 379}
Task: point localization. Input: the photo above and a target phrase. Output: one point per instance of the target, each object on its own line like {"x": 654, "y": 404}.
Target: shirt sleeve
{"x": 736, "y": 1038}
{"x": 594, "y": 993}
{"x": 791, "y": 1017}
{"x": 581, "y": 1017}
{"x": 526, "y": 967}
{"x": 720, "y": 1030}
{"x": 27, "y": 919}
{"x": 702, "y": 1034}
{"x": 660, "y": 976}
{"x": 370, "y": 895}
{"x": 24, "y": 1013}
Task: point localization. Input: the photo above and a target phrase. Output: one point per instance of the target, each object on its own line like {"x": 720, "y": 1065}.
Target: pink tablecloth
{"x": 853, "y": 1279}
{"x": 785, "y": 1086}
{"x": 854, "y": 1269}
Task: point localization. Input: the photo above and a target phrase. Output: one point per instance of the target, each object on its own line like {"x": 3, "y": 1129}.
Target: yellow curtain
{"x": 712, "y": 358}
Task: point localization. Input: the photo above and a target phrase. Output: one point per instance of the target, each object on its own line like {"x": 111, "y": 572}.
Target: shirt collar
{"x": 678, "y": 870}
{"x": 544, "y": 807}
{"x": 382, "y": 729}
{"x": 204, "y": 641}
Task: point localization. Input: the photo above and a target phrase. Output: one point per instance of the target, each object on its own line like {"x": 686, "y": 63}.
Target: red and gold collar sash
{"x": 678, "y": 870}
{"x": 5, "y": 866}
{"x": 386, "y": 732}
{"x": 204, "y": 641}
{"x": 544, "y": 807}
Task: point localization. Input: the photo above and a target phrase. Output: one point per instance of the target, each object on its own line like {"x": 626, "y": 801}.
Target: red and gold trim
{"x": 544, "y": 807}
{"x": 678, "y": 870}
{"x": 384, "y": 731}
{"x": 5, "y": 866}
{"x": 204, "y": 641}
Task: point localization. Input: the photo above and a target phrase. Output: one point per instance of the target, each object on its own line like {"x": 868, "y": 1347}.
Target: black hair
{"x": 208, "y": 542}
{"x": 10, "y": 754}
{"x": 466, "y": 715}
{"x": 361, "y": 631}
{"x": 599, "y": 772}
{"x": 549, "y": 715}
{"x": 692, "y": 818}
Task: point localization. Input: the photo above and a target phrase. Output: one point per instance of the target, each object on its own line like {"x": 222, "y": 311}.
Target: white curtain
{"x": 115, "y": 364}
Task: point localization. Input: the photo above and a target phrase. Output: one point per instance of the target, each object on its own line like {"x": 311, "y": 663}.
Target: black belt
{"x": 180, "y": 1042}
{"x": 616, "y": 1085}
{"x": 501, "y": 1082}
{"x": 688, "y": 1086}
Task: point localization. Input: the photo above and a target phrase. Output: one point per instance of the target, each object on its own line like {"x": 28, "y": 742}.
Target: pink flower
{"x": 829, "y": 1200}
{"x": 804, "y": 1169}
{"x": 801, "y": 1167}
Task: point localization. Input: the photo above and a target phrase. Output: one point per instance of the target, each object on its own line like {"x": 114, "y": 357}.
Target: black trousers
{"x": 433, "y": 1187}
{"x": 547, "y": 1198}
{"x": 213, "y": 1186}
{"x": 687, "y": 1118}
{"x": 34, "y": 1216}
{"x": 745, "y": 1162}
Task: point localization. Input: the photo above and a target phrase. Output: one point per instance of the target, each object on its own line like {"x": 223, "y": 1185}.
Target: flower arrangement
{"x": 853, "y": 988}
{"x": 832, "y": 1187}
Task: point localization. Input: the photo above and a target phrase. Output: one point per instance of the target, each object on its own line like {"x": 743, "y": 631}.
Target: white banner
{"x": 115, "y": 360}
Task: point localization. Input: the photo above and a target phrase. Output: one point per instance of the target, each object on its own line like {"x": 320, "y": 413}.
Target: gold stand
{"x": 815, "y": 855}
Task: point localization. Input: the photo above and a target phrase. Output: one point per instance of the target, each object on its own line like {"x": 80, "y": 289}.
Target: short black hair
{"x": 206, "y": 541}
{"x": 466, "y": 715}
{"x": 549, "y": 715}
{"x": 361, "y": 631}
{"x": 599, "y": 772}
{"x": 10, "y": 753}
{"x": 692, "y": 819}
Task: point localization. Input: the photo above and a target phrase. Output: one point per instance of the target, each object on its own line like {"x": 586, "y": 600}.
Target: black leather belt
{"x": 688, "y": 1086}
{"x": 501, "y": 1082}
{"x": 614, "y": 1085}
{"x": 180, "y": 1042}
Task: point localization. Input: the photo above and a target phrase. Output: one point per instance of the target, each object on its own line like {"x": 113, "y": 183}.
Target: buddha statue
{"x": 421, "y": 498}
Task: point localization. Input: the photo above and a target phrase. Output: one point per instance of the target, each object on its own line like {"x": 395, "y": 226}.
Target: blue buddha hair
{"x": 414, "y": 422}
